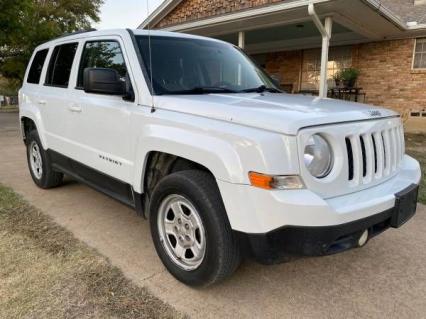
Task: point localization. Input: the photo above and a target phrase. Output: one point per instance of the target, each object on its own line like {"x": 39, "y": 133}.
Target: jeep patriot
{"x": 204, "y": 144}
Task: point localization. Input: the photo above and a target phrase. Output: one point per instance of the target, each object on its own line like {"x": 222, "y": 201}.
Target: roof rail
{"x": 74, "y": 33}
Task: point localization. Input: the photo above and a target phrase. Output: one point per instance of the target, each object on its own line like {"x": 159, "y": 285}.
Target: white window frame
{"x": 414, "y": 55}
{"x": 332, "y": 56}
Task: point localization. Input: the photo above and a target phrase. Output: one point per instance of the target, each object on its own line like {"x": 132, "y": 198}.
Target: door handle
{"x": 42, "y": 102}
{"x": 75, "y": 108}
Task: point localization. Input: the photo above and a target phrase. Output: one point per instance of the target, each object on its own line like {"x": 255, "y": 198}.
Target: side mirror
{"x": 103, "y": 81}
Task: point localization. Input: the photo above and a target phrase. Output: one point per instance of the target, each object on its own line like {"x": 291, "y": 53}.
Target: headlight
{"x": 318, "y": 156}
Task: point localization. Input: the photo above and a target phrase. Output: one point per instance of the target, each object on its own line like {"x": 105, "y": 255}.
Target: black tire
{"x": 49, "y": 178}
{"x": 222, "y": 255}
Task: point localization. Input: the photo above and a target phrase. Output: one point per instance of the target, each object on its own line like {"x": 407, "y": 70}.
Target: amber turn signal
{"x": 275, "y": 182}
{"x": 261, "y": 180}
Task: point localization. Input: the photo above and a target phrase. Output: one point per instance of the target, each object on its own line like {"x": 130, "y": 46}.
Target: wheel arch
{"x": 29, "y": 120}
{"x": 27, "y": 125}
{"x": 202, "y": 152}
{"x": 161, "y": 164}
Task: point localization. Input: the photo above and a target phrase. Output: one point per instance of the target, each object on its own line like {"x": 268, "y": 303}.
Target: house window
{"x": 340, "y": 58}
{"x": 420, "y": 54}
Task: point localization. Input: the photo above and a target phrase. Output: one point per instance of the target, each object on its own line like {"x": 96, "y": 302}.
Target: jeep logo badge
{"x": 374, "y": 113}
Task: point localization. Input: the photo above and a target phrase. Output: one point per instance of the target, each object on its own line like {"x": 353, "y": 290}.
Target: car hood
{"x": 283, "y": 113}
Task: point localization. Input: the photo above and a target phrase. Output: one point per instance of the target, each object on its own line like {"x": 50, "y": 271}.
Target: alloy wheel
{"x": 182, "y": 233}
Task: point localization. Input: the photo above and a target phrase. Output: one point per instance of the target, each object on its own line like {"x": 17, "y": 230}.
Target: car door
{"x": 54, "y": 97}
{"x": 100, "y": 125}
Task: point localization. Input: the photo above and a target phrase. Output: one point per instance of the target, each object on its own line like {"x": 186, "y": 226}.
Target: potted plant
{"x": 349, "y": 77}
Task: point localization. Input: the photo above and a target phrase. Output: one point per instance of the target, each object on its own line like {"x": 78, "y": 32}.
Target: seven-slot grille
{"x": 374, "y": 155}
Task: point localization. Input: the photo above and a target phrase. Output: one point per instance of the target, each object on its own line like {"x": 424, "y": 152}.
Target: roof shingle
{"x": 406, "y": 10}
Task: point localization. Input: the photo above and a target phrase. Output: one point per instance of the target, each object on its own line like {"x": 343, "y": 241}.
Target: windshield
{"x": 197, "y": 66}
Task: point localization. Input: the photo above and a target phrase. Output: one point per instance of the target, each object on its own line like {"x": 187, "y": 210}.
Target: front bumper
{"x": 258, "y": 211}
{"x": 273, "y": 225}
{"x": 285, "y": 242}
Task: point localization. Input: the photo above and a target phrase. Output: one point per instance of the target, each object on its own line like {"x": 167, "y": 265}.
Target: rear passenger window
{"x": 58, "y": 73}
{"x": 37, "y": 66}
{"x": 101, "y": 54}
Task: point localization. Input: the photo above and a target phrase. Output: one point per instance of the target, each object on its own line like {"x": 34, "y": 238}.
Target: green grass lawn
{"x": 416, "y": 147}
{"x": 47, "y": 273}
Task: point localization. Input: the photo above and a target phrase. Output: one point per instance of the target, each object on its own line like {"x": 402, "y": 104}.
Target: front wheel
{"x": 190, "y": 229}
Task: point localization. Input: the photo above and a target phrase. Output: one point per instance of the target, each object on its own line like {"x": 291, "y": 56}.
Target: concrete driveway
{"x": 385, "y": 279}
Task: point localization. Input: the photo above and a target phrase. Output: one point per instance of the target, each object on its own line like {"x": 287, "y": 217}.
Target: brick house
{"x": 385, "y": 40}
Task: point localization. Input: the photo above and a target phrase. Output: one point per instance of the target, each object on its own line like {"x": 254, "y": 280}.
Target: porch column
{"x": 242, "y": 39}
{"x": 325, "y": 31}
{"x": 241, "y": 44}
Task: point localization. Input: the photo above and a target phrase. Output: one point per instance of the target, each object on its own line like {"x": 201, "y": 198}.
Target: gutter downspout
{"x": 325, "y": 31}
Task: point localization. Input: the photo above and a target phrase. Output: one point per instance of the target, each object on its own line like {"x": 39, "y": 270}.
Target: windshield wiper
{"x": 261, "y": 89}
{"x": 204, "y": 90}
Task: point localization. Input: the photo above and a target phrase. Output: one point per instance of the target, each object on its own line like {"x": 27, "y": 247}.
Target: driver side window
{"x": 102, "y": 54}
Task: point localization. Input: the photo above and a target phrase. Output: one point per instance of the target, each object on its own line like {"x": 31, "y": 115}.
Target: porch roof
{"x": 365, "y": 20}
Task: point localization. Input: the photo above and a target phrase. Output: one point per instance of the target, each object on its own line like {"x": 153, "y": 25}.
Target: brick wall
{"x": 189, "y": 10}
{"x": 387, "y": 77}
{"x": 386, "y": 74}
{"x": 287, "y": 66}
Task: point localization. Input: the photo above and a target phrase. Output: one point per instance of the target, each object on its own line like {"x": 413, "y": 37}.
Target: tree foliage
{"x": 25, "y": 24}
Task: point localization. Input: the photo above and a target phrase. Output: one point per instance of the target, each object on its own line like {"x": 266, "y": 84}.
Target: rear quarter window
{"x": 37, "y": 66}
{"x": 60, "y": 65}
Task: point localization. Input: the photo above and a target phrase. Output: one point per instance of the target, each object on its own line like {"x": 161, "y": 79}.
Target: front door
{"x": 100, "y": 124}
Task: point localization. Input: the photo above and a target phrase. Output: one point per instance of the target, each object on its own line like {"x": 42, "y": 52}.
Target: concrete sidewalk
{"x": 385, "y": 279}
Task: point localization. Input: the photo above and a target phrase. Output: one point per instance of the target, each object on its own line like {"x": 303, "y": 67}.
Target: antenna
{"x": 150, "y": 58}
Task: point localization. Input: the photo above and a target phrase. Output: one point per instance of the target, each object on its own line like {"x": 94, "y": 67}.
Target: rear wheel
{"x": 39, "y": 163}
{"x": 190, "y": 229}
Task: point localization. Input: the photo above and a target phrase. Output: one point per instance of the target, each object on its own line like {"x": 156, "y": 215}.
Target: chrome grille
{"x": 374, "y": 155}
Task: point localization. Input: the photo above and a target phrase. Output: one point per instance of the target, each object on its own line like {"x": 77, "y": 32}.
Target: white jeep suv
{"x": 197, "y": 138}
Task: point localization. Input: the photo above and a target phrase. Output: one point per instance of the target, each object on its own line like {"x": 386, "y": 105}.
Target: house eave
{"x": 167, "y": 6}
{"x": 162, "y": 10}
{"x": 243, "y": 14}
